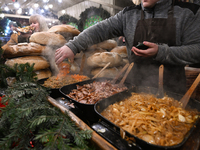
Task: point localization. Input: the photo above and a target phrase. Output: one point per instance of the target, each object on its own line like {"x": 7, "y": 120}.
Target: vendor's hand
{"x": 150, "y": 52}
{"x": 62, "y": 53}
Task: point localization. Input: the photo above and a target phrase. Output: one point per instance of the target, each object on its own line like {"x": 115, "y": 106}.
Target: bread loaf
{"x": 108, "y": 44}
{"x": 40, "y": 62}
{"x": 65, "y": 30}
{"x": 78, "y": 55}
{"x": 125, "y": 61}
{"x": 93, "y": 47}
{"x": 101, "y": 59}
{"x": 107, "y": 73}
{"x": 45, "y": 73}
{"x": 13, "y": 41}
{"x": 23, "y": 49}
{"x": 92, "y": 52}
{"x": 121, "y": 50}
{"x": 48, "y": 38}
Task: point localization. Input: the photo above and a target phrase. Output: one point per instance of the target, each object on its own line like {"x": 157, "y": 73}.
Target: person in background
{"x": 13, "y": 27}
{"x": 13, "y": 35}
{"x": 169, "y": 30}
{"x": 38, "y": 23}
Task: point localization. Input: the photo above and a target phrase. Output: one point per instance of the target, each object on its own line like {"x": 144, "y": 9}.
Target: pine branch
{"x": 30, "y": 117}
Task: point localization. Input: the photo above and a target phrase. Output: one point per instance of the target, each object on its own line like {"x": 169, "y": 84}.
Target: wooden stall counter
{"x": 193, "y": 142}
{"x": 99, "y": 142}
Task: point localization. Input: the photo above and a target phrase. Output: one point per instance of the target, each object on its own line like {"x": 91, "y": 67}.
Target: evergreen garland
{"x": 5, "y": 71}
{"x": 65, "y": 19}
{"x": 91, "y": 12}
{"x": 29, "y": 121}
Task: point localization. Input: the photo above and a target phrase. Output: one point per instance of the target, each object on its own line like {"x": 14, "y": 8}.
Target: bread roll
{"x": 125, "y": 61}
{"x": 108, "y": 44}
{"x": 45, "y": 73}
{"x": 121, "y": 50}
{"x": 6, "y": 47}
{"x": 13, "y": 41}
{"x": 40, "y": 62}
{"x": 101, "y": 59}
{"x": 23, "y": 49}
{"x": 78, "y": 55}
{"x": 92, "y": 52}
{"x": 65, "y": 30}
{"x": 48, "y": 38}
{"x": 107, "y": 73}
{"x": 93, "y": 47}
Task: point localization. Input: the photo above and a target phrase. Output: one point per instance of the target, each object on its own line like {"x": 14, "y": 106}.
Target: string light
{"x": 6, "y": 8}
{"x": 45, "y": 1}
{"x": 42, "y": 10}
{"x": 36, "y": 5}
{"x": 50, "y": 6}
{"x": 2, "y": 15}
{"x": 63, "y": 11}
{"x": 16, "y": 5}
{"x": 46, "y": 7}
{"x": 19, "y": 11}
{"x": 31, "y": 11}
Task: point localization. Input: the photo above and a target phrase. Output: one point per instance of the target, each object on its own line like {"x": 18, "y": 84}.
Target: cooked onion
{"x": 154, "y": 120}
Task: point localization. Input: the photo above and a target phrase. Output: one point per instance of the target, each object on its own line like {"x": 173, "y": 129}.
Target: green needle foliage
{"x": 5, "y": 71}
{"x": 29, "y": 117}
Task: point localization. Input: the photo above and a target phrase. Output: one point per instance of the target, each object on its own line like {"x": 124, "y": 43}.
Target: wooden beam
{"x": 26, "y": 17}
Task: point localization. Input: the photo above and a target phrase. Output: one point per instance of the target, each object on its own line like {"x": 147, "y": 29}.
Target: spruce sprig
{"x": 30, "y": 117}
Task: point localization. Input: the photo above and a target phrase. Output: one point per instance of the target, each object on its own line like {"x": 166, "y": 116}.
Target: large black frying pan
{"x": 88, "y": 109}
{"x": 103, "y": 104}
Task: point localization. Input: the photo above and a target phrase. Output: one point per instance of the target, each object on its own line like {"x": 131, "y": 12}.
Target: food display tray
{"x": 103, "y": 104}
{"x": 88, "y": 109}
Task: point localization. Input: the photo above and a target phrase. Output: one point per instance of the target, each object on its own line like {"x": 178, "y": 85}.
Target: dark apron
{"x": 145, "y": 71}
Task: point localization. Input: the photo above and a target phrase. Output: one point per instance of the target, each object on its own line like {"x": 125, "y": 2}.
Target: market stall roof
{"x": 57, "y": 4}
{"x": 23, "y": 7}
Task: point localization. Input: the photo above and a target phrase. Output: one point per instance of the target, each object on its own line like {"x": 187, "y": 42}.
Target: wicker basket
{"x": 191, "y": 75}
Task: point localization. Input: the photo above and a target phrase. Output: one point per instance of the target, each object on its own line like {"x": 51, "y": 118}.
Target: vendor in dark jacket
{"x": 13, "y": 27}
{"x": 169, "y": 28}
